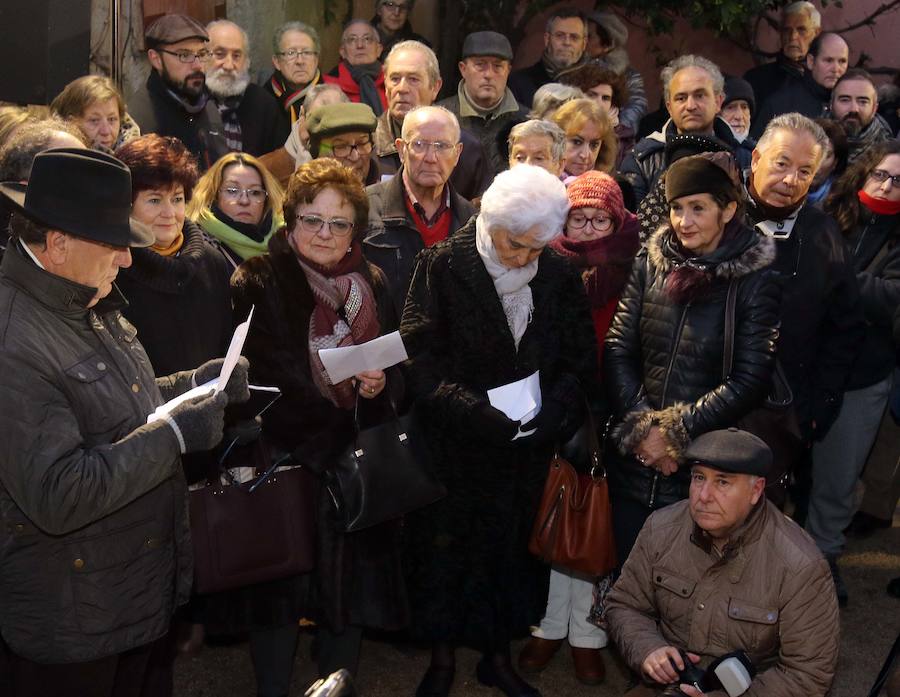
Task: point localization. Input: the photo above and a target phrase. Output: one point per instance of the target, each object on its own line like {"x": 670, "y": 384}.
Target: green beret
{"x": 334, "y": 119}
{"x": 730, "y": 450}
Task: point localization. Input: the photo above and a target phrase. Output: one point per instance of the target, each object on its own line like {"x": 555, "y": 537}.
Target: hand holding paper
{"x": 378, "y": 354}
{"x": 520, "y": 400}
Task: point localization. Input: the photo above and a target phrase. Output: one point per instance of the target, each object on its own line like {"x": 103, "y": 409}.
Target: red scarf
{"x": 878, "y": 206}
{"x": 345, "y": 314}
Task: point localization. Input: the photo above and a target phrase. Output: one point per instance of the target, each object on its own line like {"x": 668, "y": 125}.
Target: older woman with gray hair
{"x": 490, "y": 306}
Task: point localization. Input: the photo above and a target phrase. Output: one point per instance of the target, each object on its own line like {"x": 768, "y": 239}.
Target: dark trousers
{"x": 628, "y": 518}
{"x": 120, "y": 675}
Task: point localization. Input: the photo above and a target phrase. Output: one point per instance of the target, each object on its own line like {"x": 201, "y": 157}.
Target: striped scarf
{"x": 290, "y": 99}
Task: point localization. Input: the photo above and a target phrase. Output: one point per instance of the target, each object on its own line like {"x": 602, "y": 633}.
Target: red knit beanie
{"x": 598, "y": 190}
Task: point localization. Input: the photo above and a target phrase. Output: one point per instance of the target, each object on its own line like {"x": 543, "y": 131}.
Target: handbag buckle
{"x": 360, "y": 452}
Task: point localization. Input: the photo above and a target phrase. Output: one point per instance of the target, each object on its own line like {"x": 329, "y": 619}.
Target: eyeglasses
{"x": 221, "y": 54}
{"x": 292, "y": 53}
{"x": 397, "y": 7}
{"x": 339, "y": 227}
{"x": 600, "y": 223}
{"x": 344, "y": 149}
{"x": 233, "y": 193}
{"x": 186, "y": 56}
{"x": 420, "y": 147}
{"x": 364, "y": 39}
{"x": 880, "y": 175}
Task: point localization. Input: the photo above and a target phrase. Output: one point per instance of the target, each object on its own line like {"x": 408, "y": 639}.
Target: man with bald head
{"x": 419, "y": 206}
{"x": 359, "y": 74}
{"x": 250, "y": 116}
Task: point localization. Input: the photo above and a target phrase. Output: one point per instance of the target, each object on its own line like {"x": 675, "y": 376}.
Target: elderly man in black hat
{"x": 483, "y": 103}
{"x": 174, "y": 101}
{"x": 726, "y": 571}
{"x": 344, "y": 131}
{"x": 94, "y": 542}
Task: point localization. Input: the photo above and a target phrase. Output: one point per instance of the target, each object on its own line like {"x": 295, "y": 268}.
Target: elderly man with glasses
{"x": 359, "y": 74}
{"x": 174, "y": 101}
{"x": 295, "y": 55}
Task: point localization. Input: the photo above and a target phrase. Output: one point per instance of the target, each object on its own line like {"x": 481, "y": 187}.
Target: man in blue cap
{"x": 727, "y": 571}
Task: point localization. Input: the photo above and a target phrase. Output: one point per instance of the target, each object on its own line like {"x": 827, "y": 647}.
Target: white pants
{"x": 568, "y": 606}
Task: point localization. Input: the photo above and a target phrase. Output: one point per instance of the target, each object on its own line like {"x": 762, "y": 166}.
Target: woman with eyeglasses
{"x": 391, "y": 21}
{"x": 590, "y": 138}
{"x": 237, "y": 203}
{"x": 664, "y": 356}
{"x": 313, "y": 290}
{"x": 865, "y": 202}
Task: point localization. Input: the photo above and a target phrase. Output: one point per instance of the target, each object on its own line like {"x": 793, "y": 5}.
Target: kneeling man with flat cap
{"x": 726, "y": 571}
{"x": 94, "y": 546}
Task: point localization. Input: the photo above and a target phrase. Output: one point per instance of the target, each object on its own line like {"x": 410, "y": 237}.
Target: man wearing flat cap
{"x": 727, "y": 571}
{"x": 174, "y": 101}
{"x": 94, "y": 545}
{"x": 483, "y": 103}
{"x": 344, "y": 131}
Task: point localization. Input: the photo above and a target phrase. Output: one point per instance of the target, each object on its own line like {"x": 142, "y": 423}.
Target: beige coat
{"x": 771, "y": 594}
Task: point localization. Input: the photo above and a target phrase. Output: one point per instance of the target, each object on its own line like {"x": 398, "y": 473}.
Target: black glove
{"x": 825, "y": 410}
{"x": 493, "y": 425}
{"x": 198, "y": 423}
{"x": 238, "y": 387}
{"x": 547, "y": 424}
{"x": 245, "y": 431}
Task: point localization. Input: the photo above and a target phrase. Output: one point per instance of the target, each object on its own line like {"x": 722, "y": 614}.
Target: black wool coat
{"x": 664, "y": 359}
{"x": 263, "y": 129}
{"x": 471, "y": 577}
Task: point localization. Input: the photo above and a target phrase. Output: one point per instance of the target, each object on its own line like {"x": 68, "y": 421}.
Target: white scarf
{"x": 511, "y": 284}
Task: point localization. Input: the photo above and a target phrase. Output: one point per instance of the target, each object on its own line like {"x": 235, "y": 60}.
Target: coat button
{"x": 81, "y": 376}
{"x": 135, "y": 388}
{"x": 78, "y": 563}
{"x": 152, "y": 543}
{"x": 20, "y": 527}
{"x": 702, "y": 606}
{"x": 101, "y": 366}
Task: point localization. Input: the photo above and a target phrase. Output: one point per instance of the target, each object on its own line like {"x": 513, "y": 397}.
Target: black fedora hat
{"x": 81, "y": 192}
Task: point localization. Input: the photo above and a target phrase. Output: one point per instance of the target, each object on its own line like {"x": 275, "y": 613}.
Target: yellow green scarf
{"x": 242, "y": 245}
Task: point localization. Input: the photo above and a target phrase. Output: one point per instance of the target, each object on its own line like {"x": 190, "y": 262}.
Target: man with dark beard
{"x": 174, "y": 101}
{"x": 249, "y": 114}
{"x": 854, "y": 102}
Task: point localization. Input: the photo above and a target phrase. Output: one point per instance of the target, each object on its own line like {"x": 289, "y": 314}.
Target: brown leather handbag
{"x": 573, "y": 527}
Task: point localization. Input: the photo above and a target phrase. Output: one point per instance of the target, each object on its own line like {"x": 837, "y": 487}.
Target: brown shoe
{"x": 537, "y": 654}
{"x": 589, "y": 667}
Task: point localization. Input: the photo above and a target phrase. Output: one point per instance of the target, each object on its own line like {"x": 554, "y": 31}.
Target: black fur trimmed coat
{"x": 663, "y": 361}
{"x": 472, "y": 580}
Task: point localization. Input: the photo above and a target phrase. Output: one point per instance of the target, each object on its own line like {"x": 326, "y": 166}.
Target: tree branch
{"x": 870, "y": 20}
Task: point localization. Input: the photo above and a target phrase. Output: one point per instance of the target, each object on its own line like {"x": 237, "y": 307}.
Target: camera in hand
{"x": 732, "y": 673}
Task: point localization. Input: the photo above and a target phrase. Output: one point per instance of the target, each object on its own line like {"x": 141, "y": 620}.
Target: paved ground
{"x": 869, "y": 626}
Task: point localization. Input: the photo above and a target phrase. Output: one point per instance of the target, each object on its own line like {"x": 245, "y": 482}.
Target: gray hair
{"x": 315, "y": 92}
{"x": 432, "y": 69}
{"x": 536, "y": 128}
{"x": 364, "y": 22}
{"x": 565, "y": 13}
{"x": 803, "y": 7}
{"x": 18, "y": 153}
{"x": 524, "y": 197}
{"x": 552, "y": 96}
{"x": 426, "y": 112}
{"x": 795, "y": 123}
{"x": 228, "y": 23}
{"x": 301, "y": 27}
{"x": 692, "y": 61}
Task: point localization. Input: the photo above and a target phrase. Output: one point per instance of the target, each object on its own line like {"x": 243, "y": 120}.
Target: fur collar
{"x": 746, "y": 252}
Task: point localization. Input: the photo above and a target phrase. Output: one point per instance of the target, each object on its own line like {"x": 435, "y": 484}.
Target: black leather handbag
{"x": 384, "y": 474}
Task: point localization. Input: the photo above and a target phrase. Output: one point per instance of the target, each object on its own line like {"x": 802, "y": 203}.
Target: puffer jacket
{"x": 94, "y": 542}
{"x": 664, "y": 360}
{"x": 769, "y": 593}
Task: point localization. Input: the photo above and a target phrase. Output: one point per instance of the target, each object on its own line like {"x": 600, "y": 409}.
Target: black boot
{"x": 497, "y": 671}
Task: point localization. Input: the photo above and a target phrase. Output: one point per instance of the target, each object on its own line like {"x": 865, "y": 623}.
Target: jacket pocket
{"x": 752, "y": 627}
{"x": 102, "y": 415}
{"x": 121, "y": 578}
{"x": 673, "y": 594}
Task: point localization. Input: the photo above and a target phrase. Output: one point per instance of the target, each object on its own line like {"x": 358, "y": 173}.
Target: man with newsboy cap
{"x": 483, "y": 103}
{"x": 727, "y": 571}
{"x": 94, "y": 547}
{"x": 174, "y": 101}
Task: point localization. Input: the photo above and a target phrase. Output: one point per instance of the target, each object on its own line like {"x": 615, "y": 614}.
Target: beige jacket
{"x": 770, "y": 594}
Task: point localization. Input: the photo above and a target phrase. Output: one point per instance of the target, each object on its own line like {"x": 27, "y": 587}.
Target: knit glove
{"x": 198, "y": 423}
{"x": 493, "y": 425}
{"x": 546, "y": 425}
{"x": 238, "y": 387}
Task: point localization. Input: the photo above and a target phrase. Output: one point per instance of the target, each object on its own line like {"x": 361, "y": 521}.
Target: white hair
{"x": 429, "y": 59}
{"x": 524, "y": 197}
{"x": 228, "y": 23}
{"x": 552, "y": 96}
{"x": 803, "y": 7}
{"x": 540, "y": 129}
{"x": 796, "y": 123}
{"x": 424, "y": 113}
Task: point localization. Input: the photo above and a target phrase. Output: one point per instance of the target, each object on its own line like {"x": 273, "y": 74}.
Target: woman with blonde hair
{"x": 95, "y": 105}
{"x": 237, "y": 202}
{"x": 11, "y": 117}
{"x": 590, "y": 138}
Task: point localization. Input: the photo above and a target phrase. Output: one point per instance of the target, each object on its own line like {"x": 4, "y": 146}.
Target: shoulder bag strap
{"x": 728, "y": 352}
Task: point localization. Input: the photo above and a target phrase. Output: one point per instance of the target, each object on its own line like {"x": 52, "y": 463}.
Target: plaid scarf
{"x": 228, "y": 108}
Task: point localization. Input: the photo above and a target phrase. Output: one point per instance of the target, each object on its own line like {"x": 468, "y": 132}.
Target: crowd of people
{"x": 716, "y": 285}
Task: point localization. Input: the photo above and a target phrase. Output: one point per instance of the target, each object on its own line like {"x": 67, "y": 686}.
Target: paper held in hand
{"x": 377, "y": 354}
{"x": 216, "y": 384}
{"x": 520, "y": 400}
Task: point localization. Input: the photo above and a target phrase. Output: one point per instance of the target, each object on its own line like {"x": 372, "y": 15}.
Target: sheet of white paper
{"x": 378, "y": 354}
{"x": 520, "y": 400}
{"x": 234, "y": 351}
{"x": 199, "y": 391}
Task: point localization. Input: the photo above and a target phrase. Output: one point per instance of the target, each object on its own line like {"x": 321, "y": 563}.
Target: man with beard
{"x": 250, "y": 116}
{"x": 359, "y": 74}
{"x": 565, "y": 39}
{"x": 854, "y": 102}
{"x": 174, "y": 101}
{"x": 295, "y": 56}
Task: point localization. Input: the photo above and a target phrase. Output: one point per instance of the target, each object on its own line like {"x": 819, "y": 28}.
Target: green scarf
{"x": 242, "y": 245}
